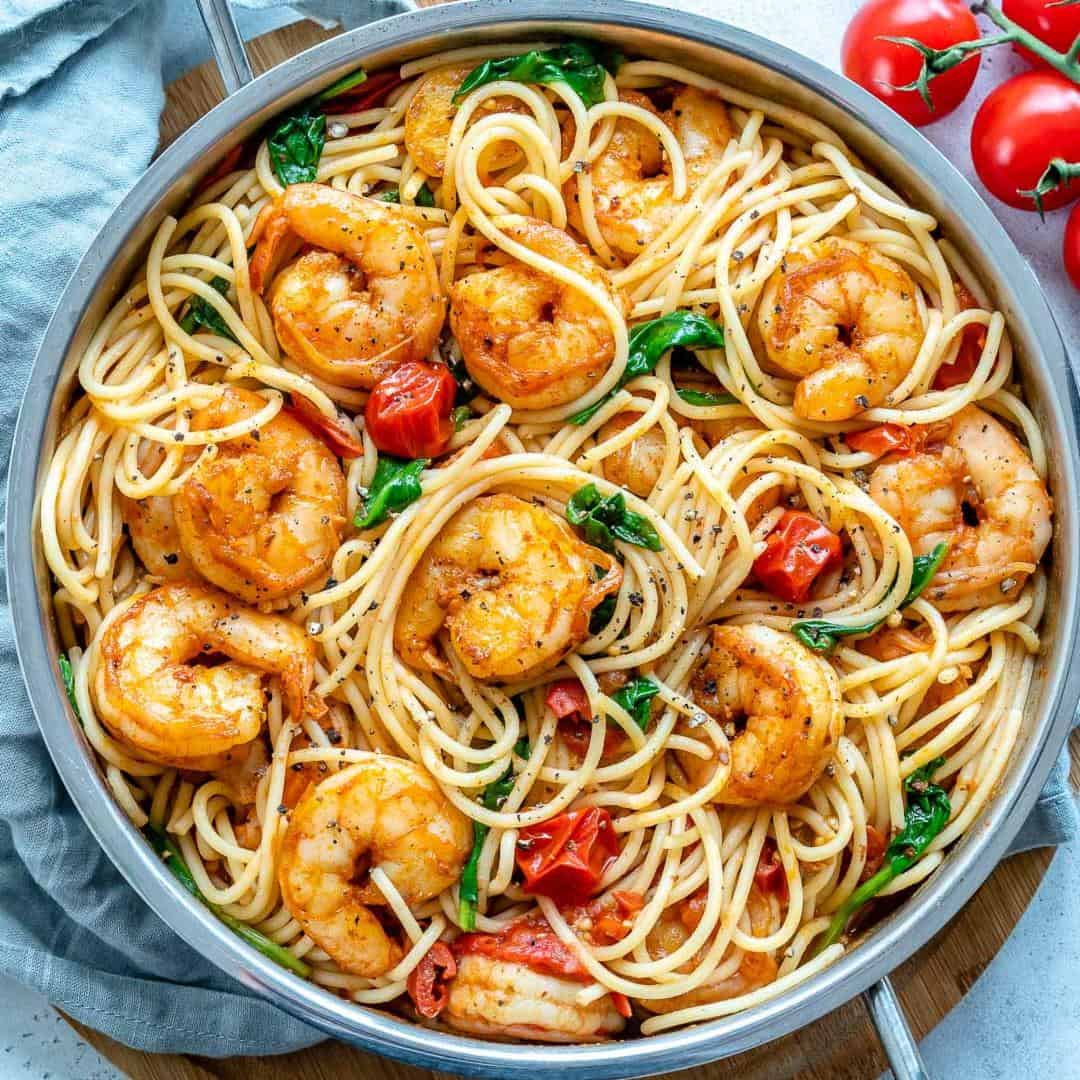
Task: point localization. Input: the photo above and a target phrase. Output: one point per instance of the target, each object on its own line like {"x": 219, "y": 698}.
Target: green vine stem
{"x": 1059, "y": 173}
{"x": 937, "y": 61}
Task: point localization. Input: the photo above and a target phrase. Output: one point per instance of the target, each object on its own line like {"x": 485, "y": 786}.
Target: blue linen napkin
{"x": 70, "y": 927}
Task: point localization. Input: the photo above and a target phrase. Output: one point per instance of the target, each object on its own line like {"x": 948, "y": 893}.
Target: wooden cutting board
{"x": 841, "y": 1046}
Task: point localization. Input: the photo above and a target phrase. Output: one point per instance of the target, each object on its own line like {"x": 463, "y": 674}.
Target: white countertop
{"x": 1022, "y": 1017}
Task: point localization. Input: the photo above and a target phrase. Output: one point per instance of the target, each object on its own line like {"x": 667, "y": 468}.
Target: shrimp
{"x": 263, "y": 517}
{"x": 632, "y": 187}
{"x": 502, "y": 999}
{"x": 513, "y": 586}
{"x": 152, "y": 696}
{"x": 381, "y": 812}
{"x": 430, "y": 116}
{"x": 977, "y": 491}
{"x": 670, "y": 933}
{"x": 365, "y": 301}
{"x": 783, "y": 703}
{"x": 526, "y": 338}
{"x": 842, "y": 319}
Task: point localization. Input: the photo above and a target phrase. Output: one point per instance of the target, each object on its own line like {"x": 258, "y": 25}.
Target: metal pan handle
{"x": 896, "y": 1036}
{"x": 227, "y": 45}
{"x": 881, "y": 1001}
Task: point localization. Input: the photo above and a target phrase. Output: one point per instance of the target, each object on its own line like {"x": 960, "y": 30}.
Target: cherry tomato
{"x": 565, "y": 858}
{"x": 796, "y": 552}
{"x": 621, "y": 1003}
{"x": 567, "y": 697}
{"x": 1024, "y": 123}
{"x": 332, "y": 431}
{"x": 371, "y": 92}
{"x": 1056, "y": 24}
{"x": 408, "y": 412}
{"x": 972, "y": 340}
{"x": 427, "y": 983}
{"x": 881, "y": 440}
{"x": 529, "y": 941}
{"x": 875, "y": 852}
{"x": 769, "y": 875}
{"x": 612, "y": 917}
{"x": 1071, "y": 246}
{"x": 881, "y": 66}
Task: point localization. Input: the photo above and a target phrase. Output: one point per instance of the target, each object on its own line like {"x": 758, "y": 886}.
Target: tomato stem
{"x": 937, "y": 61}
{"x": 1059, "y": 173}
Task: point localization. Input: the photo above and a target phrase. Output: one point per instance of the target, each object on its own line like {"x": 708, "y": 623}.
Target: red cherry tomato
{"x": 972, "y": 340}
{"x": 428, "y": 982}
{"x": 1071, "y": 246}
{"x": 565, "y": 858}
{"x": 881, "y": 440}
{"x": 529, "y": 941}
{"x": 770, "y": 875}
{"x": 1024, "y": 123}
{"x": 408, "y": 412}
{"x": 1056, "y": 24}
{"x": 567, "y": 697}
{"x": 796, "y": 552}
{"x": 880, "y": 66}
{"x": 332, "y": 431}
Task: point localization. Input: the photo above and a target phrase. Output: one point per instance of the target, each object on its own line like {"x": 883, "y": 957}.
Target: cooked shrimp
{"x": 155, "y": 537}
{"x": 263, "y": 517}
{"x": 632, "y": 188}
{"x": 430, "y": 116}
{"x": 513, "y": 586}
{"x": 365, "y": 301}
{"x": 501, "y": 999}
{"x": 676, "y": 924}
{"x": 977, "y": 491}
{"x": 842, "y": 319}
{"x": 784, "y": 706}
{"x": 382, "y": 812}
{"x": 152, "y": 696}
{"x": 526, "y": 338}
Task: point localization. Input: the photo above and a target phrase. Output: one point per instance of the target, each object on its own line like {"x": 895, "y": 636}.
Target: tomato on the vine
{"x": 1056, "y": 24}
{"x": 881, "y": 66}
{"x": 1019, "y": 128}
{"x": 1071, "y": 246}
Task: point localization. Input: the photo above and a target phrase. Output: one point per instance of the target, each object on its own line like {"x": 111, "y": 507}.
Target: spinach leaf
{"x": 395, "y": 485}
{"x": 578, "y": 64}
{"x": 296, "y": 145}
{"x": 927, "y": 813}
{"x": 648, "y": 343}
{"x": 460, "y": 416}
{"x": 822, "y": 636}
{"x": 68, "y": 675}
{"x": 202, "y": 315}
{"x": 604, "y": 520}
{"x": 170, "y": 854}
{"x": 495, "y": 794}
{"x": 343, "y": 85}
{"x": 601, "y": 614}
{"x": 390, "y": 195}
{"x": 706, "y": 397}
{"x": 424, "y": 196}
{"x": 636, "y": 698}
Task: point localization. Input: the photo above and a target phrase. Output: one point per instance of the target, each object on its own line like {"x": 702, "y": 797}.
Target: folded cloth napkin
{"x": 70, "y": 927}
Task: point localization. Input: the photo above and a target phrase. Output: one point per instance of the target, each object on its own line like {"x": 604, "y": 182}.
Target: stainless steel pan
{"x": 898, "y": 153}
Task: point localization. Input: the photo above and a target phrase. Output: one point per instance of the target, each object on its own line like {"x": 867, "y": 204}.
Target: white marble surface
{"x": 1022, "y": 1017}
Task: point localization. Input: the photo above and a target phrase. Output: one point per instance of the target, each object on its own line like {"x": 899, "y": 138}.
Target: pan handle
{"x": 896, "y": 1036}
{"x": 228, "y": 46}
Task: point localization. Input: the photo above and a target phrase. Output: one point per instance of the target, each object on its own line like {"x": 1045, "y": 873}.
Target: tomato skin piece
{"x": 427, "y": 982}
{"x": 881, "y": 440}
{"x": 972, "y": 340}
{"x": 1056, "y": 24}
{"x": 1070, "y": 248}
{"x": 796, "y": 552}
{"x": 373, "y": 91}
{"x": 565, "y": 858}
{"x": 880, "y": 66}
{"x": 875, "y": 852}
{"x": 340, "y": 440}
{"x": 529, "y": 941}
{"x": 769, "y": 875}
{"x": 408, "y": 412}
{"x": 1019, "y": 128}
